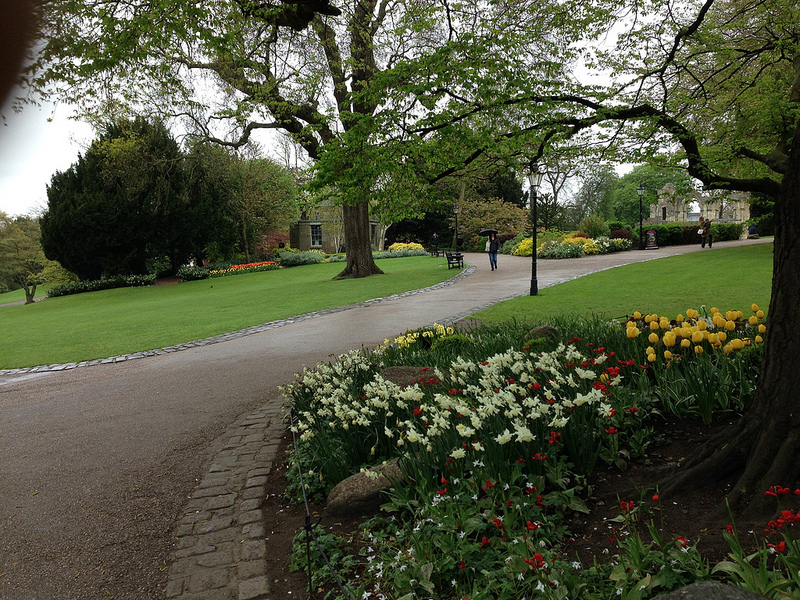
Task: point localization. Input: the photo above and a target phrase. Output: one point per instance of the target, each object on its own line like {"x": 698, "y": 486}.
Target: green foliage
{"x": 122, "y": 207}
{"x": 193, "y": 273}
{"x": 594, "y": 226}
{"x": 555, "y": 249}
{"x": 22, "y": 262}
{"x": 106, "y": 283}
{"x": 296, "y": 259}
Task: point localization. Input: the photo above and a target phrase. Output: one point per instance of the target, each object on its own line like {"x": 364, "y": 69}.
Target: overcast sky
{"x": 32, "y": 149}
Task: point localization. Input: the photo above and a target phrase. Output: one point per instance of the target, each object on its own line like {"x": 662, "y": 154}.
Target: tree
{"x": 123, "y": 206}
{"x": 717, "y": 85}
{"x": 625, "y": 197}
{"x": 595, "y": 194}
{"x": 22, "y": 260}
{"x": 343, "y": 88}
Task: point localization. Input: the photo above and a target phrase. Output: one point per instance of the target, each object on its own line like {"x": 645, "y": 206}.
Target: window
{"x": 316, "y": 236}
{"x": 664, "y": 213}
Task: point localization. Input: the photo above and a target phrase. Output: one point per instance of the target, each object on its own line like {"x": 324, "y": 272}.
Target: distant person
{"x": 435, "y": 243}
{"x": 706, "y": 233}
{"x": 493, "y": 247}
{"x": 752, "y": 232}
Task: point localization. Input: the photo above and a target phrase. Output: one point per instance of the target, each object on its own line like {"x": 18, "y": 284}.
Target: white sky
{"x": 32, "y": 149}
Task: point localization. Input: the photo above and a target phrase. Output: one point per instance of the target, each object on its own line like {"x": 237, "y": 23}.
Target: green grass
{"x": 120, "y": 321}
{"x": 729, "y": 278}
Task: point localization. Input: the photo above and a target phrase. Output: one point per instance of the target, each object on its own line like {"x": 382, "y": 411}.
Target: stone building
{"x": 718, "y": 205}
{"x": 322, "y": 228}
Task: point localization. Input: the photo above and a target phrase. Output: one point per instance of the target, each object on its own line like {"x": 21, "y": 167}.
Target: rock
{"x": 542, "y": 331}
{"x": 709, "y": 590}
{"x": 362, "y": 493}
{"x": 405, "y": 376}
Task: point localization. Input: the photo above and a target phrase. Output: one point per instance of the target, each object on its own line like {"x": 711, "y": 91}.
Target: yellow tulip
{"x": 651, "y": 358}
{"x": 730, "y": 326}
{"x": 685, "y": 343}
{"x": 637, "y": 315}
{"x": 698, "y": 349}
{"x": 727, "y": 349}
{"x": 754, "y": 307}
{"x": 762, "y": 328}
{"x": 647, "y": 318}
{"x": 737, "y": 344}
{"x": 653, "y": 338}
{"x": 697, "y": 337}
{"x": 759, "y": 339}
{"x": 650, "y": 350}
{"x": 653, "y": 325}
{"x": 713, "y": 338}
{"x": 669, "y": 339}
{"x": 667, "y": 354}
{"x": 632, "y": 332}
{"x": 663, "y": 322}
{"x": 714, "y": 310}
{"x": 679, "y": 318}
{"x": 723, "y": 337}
{"x": 702, "y": 325}
{"x": 753, "y": 320}
{"x": 760, "y": 314}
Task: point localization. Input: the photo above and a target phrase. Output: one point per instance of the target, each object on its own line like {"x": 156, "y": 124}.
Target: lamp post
{"x": 640, "y": 191}
{"x": 455, "y": 212}
{"x": 534, "y": 179}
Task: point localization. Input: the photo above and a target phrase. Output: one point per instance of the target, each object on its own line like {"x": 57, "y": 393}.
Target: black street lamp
{"x": 455, "y": 212}
{"x": 534, "y": 179}
{"x": 640, "y": 191}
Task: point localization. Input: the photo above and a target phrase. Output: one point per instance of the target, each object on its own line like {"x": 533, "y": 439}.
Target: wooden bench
{"x": 436, "y": 251}
{"x": 454, "y": 259}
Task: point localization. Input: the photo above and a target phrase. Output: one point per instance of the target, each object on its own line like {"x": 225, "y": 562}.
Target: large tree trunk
{"x": 359, "y": 245}
{"x": 763, "y": 448}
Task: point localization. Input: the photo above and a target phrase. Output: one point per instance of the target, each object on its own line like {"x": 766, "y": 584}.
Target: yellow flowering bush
{"x": 403, "y": 246}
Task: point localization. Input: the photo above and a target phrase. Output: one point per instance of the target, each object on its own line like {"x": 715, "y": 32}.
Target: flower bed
{"x": 496, "y": 439}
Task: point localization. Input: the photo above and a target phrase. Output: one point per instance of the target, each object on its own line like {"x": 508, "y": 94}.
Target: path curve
{"x": 143, "y": 478}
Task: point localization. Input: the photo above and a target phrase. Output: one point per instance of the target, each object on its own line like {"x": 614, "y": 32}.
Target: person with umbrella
{"x": 492, "y": 246}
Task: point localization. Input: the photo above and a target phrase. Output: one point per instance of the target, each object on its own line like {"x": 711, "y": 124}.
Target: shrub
{"x": 593, "y": 226}
{"x": 555, "y": 249}
{"x": 621, "y": 234}
{"x": 193, "y": 273}
{"x": 510, "y": 244}
{"x": 397, "y": 246}
{"x": 296, "y": 259}
{"x": 615, "y": 226}
{"x": 107, "y": 283}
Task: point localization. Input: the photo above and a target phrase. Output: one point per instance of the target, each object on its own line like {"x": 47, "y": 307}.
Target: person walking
{"x": 493, "y": 247}
{"x": 706, "y": 235}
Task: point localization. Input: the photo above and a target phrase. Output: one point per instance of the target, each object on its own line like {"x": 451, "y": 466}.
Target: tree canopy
{"x": 22, "y": 261}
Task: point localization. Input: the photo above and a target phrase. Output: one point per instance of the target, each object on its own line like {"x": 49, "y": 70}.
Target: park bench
{"x": 454, "y": 259}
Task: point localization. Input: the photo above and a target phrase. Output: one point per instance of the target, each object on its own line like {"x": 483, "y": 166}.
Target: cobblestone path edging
{"x": 220, "y": 547}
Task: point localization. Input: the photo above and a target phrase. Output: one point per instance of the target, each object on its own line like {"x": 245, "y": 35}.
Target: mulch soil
{"x": 699, "y": 514}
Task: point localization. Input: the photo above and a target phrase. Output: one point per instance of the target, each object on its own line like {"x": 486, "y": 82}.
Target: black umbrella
{"x": 487, "y": 231}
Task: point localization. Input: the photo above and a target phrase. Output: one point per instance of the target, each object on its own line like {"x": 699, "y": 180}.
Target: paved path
{"x": 142, "y": 477}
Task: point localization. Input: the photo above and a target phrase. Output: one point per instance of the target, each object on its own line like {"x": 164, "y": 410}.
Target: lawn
{"x": 729, "y": 278}
{"x": 120, "y": 321}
